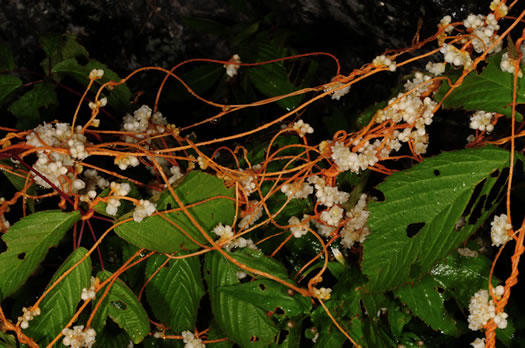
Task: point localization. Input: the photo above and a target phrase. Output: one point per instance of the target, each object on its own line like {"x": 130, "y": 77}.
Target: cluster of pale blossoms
{"x": 253, "y": 213}
{"x": 500, "y": 231}
{"x": 481, "y": 120}
{"x": 482, "y": 309}
{"x": 355, "y": 230}
{"x": 78, "y": 337}
{"x": 384, "y": 61}
{"x": 300, "y": 228}
{"x": 233, "y": 65}
{"x": 143, "y": 209}
{"x": 507, "y": 64}
{"x": 191, "y": 341}
{"x": 337, "y": 93}
{"x": 327, "y": 195}
{"x": 89, "y": 293}
{"x": 322, "y": 293}
{"x": 248, "y": 177}
{"x": 118, "y": 190}
{"x": 297, "y": 190}
{"x": 59, "y": 167}
{"x": 27, "y": 316}
{"x": 302, "y": 128}
{"x": 226, "y": 234}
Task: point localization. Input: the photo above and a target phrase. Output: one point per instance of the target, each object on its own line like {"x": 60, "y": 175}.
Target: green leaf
{"x": 28, "y": 107}
{"x": 330, "y": 336}
{"x": 112, "y": 337}
{"x": 154, "y": 233}
{"x": 118, "y": 97}
{"x": 175, "y": 292}
{"x": 431, "y": 196}
{"x": 239, "y": 320}
{"x": 8, "y": 84}
{"x": 60, "y": 304}
{"x": 200, "y": 79}
{"x": 272, "y": 79}
{"x": 27, "y": 242}
{"x": 123, "y": 307}
{"x": 59, "y": 47}
{"x": 256, "y": 259}
{"x": 269, "y": 295}
{"x": 7, "y": 341}
{"x": 489, "y": 91}
{"x": 7, "y": 62}
{"x": 427, "y": 303}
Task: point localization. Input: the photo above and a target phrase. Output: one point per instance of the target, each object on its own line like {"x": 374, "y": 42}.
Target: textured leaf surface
{"x": 8, "y": 84}
{"x": 426, "y": 302}
{"x": 489, "y": 91}
{"x": 434, "y": 195}
{"x": 59, "y": 47}
{"x": 28, "y": 242}
{"x": 27, "y": 107}
{"x": 268, "y": 295}
{"x": 175, "y": 292}
{"x": 123, "y": 307}
{"x": 60, "y": 304}
{"x": 272, "y": 79}
{"x": 19, "y": 183}
{"x": 154, "y": 233}
{"x": 239, "y": 320}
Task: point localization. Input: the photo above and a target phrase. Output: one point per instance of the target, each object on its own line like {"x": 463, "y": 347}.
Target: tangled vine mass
{"x": 287, "y": 239}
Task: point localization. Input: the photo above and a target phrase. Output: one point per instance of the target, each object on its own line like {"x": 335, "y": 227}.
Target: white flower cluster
{"x": 435, "y": 68}
{"x": 302, "y": 226}
{"x": 143, "y": 123}
{"x": 333, "y": 215}
{"x": 355, "y": 230}
{"x": 54, "y": 165}
{"x": 203, "y": 164}
{"x": 499, "y": 7}
{"x": 143, "y": 209}
{"x": 191, "y": 341}
{"x": 123, "y": 162}
{"x": 4, "y": 224}
{"x": 233, "y": 66}
{"x": 176, "y": 174}
{"x": 482, "y": 310}
{"x": 445, "y": 21}
{"x": 248, "y": 179}
{"x": 254, "y": 213}
{"x": 507, "y": 64}
{"x": 500, "y": 231}
{"x": 481, "y": 120}
{"x": 322, "y": 293}
{"x": 302, "y": 128}
{"x": 327, "y": 195}
{"x": 336, "y": 95}
{"x": 323, "y": 229}
{"x": 78, "y": 337}
{"x": 225, "y": 233}
{"x": 455, "y": 56}
{"x": 297, "y": 190}
{"x": 384, "y": 61}
{"x": 96, "y": 74}
{"x": 28, "y": 315}
{"x": 114, "y": 203}
{"x": 98, "y": 104}
{"x": 484, "y": 28}
{"x": 478, "y": 343}
{"x": 92, "y": 181}
{"x": 89, "y": 293}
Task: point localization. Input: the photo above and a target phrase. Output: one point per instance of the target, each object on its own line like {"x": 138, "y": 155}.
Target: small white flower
{"x": 478, "y": 343}
{"x": 500, "y": 230}
{"x": 143, "y": 209}
{"x": 233, "y": 66}
{"x": 302, "y": 128}
{"x": 322, "y": 293}
{"x": 384, "y": 61}
{"x": 96, "y": 74}
{"x": 301, "y": 229}
{"x": 78, "y": 337}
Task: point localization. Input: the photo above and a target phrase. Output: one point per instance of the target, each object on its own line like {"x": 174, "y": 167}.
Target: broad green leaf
{"x": 118, "y": 97}
{"x": 272, "y": 79}
{"x": 200, "y": 79}
{"x": 398, "y": 318}
{"x": 19, "y": 183}
{"x": 256, "y": 259}
{"x": 154, "y": 233}
{"x": 489, "y": 91}
{"x": 292, "y": 335}
{"x": 60, "y": 304}
{"x": 8, "y": 84}
{"x": 27, "y": 108}
{"x": 269, "y": 295}
{"x": 28, "y": 242}
{"x": 59, "y": 47}
{"x": 123, "y": 307}
{"x": 431, "y": 196}
{"x": 216, "y": 333}
{"x": 330, "y": 336}
{"x": 112, "y": 337}
{"x": 427, "y": 303}
{"x": 7, "y": 341}
{"x": 241, "y": 321}
{"x": 175, "y": 292}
